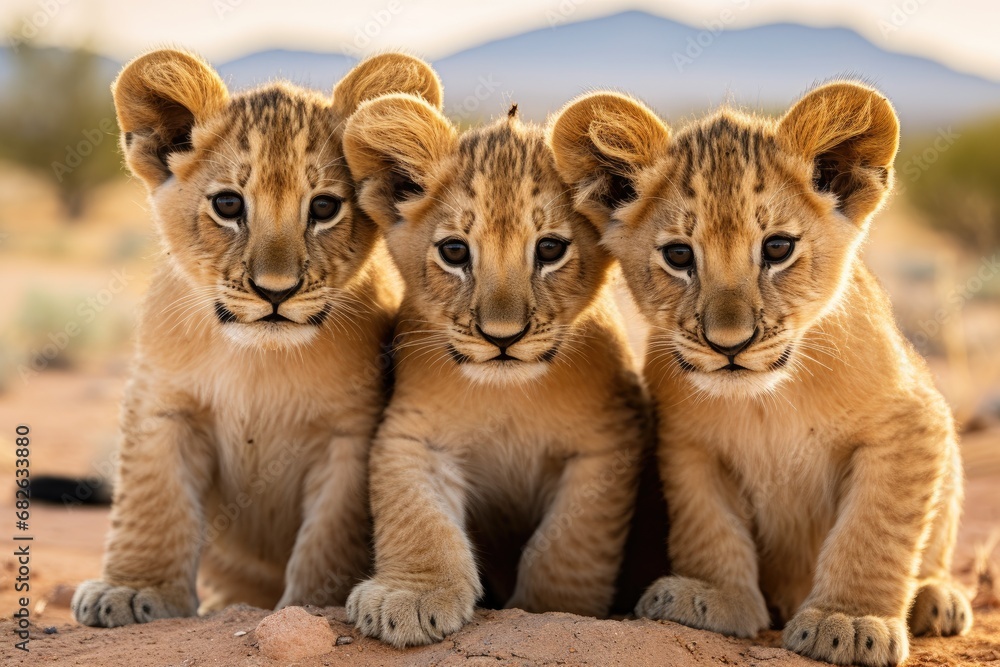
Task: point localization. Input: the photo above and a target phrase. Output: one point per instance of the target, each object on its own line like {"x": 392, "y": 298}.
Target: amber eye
{"x": 324, "y": 207}
{"x": 777, "y": 249}
{"x": 550, "y": 250}
{"x": 454, "y": 252}
{"x": 679, "y": 255}
{"x": 228, "y": 205}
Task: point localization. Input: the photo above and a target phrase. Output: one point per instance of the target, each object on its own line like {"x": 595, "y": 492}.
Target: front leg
{"x": 331, "y": 549}
{"x": 425, "y": 584}
{"x": 711, "y": 549}
{"x": 152, "y": 552}
{"x": 866, "y": 574}
{"x": 571, "y": 562}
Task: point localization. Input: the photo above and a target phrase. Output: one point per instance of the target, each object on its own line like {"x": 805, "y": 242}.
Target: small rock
{"x": 294, "y": 634}
{"x": 51, "y": 630}
{"x": 239, "y": 633}
{"x": 344, "y": 640}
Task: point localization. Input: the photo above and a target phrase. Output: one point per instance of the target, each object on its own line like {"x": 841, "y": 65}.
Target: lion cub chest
{"x": 265, "y": 443}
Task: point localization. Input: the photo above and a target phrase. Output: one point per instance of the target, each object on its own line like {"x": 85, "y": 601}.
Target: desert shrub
{"x": 57, "y": 117}
{"x": 954, "y": 178}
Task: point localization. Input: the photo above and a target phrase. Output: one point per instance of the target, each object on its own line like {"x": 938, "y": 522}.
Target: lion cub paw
{"x": 940, "y": 609}
{"x": 847, "y": 640}
{"x": 699, "y": 605}
{"x": 99, "y": 604}
{"x": 404, "y": 617}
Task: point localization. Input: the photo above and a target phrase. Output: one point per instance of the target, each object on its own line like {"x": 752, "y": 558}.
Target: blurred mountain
{"x": 678, "y": 69}
{"x": 312, "y": 70}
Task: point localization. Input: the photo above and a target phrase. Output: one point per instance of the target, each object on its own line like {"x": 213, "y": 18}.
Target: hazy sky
{"x": 964, "y": 34}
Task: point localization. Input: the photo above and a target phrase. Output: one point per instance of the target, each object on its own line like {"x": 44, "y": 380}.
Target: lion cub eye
{"x": 228, "y": 205}
{"x": 678, "y": 255}
{"x": 777, "y": 249}
{"x": 324, "y": 207}
{"x": 454, "y": 252}
{"x": 550, "y": 250}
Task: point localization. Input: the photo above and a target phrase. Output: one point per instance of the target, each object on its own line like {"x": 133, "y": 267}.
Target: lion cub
{"x": 809, "y": 463}
{"x": 258, "y": 380}
{"x": 516, "y": 411}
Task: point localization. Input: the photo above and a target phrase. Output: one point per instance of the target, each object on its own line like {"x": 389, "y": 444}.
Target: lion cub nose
{"x": 733, "y": 349}
{"x": 273, "y": 291}
{"x": 503, "y": 341}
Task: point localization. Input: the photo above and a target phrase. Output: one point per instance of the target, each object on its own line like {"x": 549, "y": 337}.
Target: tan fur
{"x": 824, "y": 478}
{"x": 246, "y": 441}
{"x": 477, "y": 456}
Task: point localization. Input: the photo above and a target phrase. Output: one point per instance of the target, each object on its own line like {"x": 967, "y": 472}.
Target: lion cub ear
{"x": 384, "y": 74}
{"x": 393, "y": 145}
{"x": 602, "y": 143}
{"x": 158, "y": 98}
{"x": 849, "y": 133}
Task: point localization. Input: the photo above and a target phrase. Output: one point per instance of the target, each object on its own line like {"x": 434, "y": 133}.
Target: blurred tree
{"x": 954, "y": 177}
{"x": 57, "y": 116}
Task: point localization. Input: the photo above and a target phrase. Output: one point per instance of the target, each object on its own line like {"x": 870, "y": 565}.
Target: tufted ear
{"x": 850, "y": 133}
{"x": 392, "y": 145}
{"x": 158, "y": 98}
{"x": 602, "y": 142}
{"x": 384, "y": 74}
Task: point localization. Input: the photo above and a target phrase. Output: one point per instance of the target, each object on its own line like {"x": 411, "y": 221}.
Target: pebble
{"x": 239, "y": 633}
{"x": 51, "y": 630}
{"x": 294, "y": 634}
{"x": 344, "y": 640}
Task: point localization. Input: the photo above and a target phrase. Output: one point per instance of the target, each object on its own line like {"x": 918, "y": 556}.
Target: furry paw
{"x": 698, "y": 605}
{"x": 404, "y": 617}
{"x": 847, "y": 640}
{"x": 99, "y": 604}
{"x": 940, "y": 609}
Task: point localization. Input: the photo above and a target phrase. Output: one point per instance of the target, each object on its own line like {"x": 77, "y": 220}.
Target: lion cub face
{"x": 495, "y": 260}
{"x": 736, "y": 234}
{"x": 251, "y": 192}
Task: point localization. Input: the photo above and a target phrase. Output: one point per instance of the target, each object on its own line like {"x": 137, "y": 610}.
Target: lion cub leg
{"x": 426, "y": 583}
{"x": 940, "y": 607}
{"x": 151, "y": 559}
{"x": 571, "y": 561}
{"x": 866, "y": 574}
{"x": 711, "y": 549}
{"x": 331, "y": 548}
